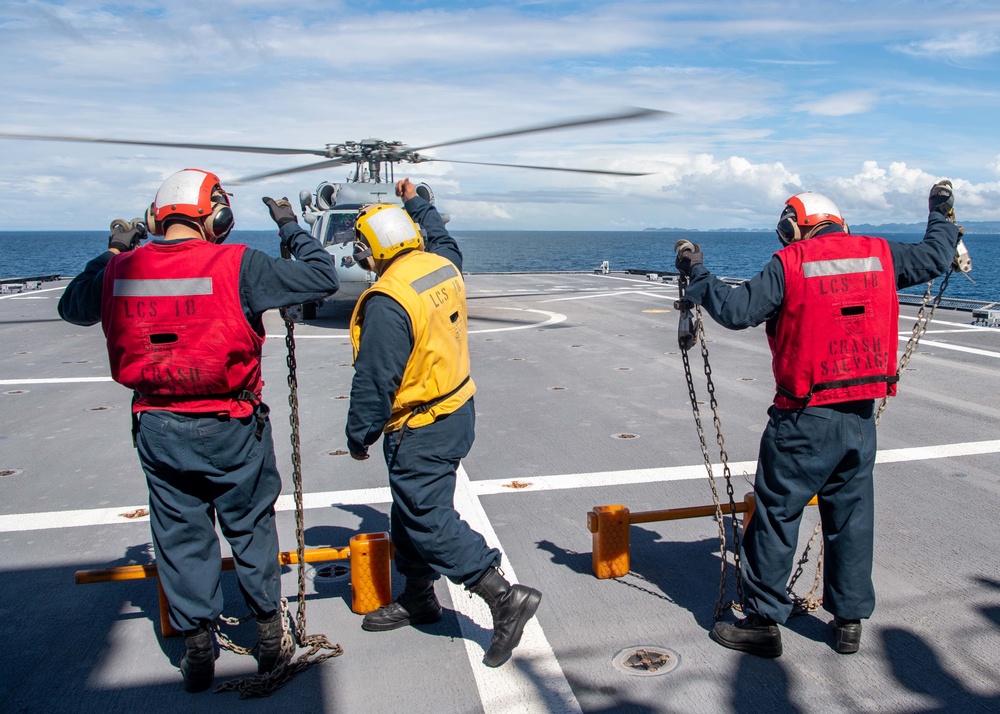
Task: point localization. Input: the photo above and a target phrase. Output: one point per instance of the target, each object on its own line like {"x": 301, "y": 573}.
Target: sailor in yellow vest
{"x": 412, "y": 381}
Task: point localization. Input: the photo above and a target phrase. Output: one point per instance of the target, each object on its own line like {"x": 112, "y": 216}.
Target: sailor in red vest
{"x": 412, "y": 381}
{"x": 183, "y": 319}
{"x": 829, "y": 301}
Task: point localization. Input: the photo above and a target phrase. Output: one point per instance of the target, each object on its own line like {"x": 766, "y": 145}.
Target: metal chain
{"x": 721, "y": 605}
{"x": 320, "y": 648}
{"x": 919, "y": 328}
{"x": 809, "y": 603}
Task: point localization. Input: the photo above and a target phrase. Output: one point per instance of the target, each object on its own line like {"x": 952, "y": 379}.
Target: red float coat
{"x": 176, "y": 331}
{"x": 836, "y": 335}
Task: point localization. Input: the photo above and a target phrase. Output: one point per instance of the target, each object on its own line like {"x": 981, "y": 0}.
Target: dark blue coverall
{"x": 430, "y": 537}
{"x": 827, "y": 451}
{"x": 202, "y": 467}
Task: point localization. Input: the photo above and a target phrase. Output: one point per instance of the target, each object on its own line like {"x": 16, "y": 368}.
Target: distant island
{"x": 975, "y": 227}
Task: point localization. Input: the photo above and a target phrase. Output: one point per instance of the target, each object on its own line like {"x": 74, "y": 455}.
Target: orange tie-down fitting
{"x": 609, "y": 525}
{"x": 369, "y": 554}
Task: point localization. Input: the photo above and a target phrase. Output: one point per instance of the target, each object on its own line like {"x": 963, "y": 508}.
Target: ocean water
{"x": 731, "y": 254}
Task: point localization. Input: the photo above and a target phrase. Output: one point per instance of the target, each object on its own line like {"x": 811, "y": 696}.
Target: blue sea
{"x": 737, "y": 254}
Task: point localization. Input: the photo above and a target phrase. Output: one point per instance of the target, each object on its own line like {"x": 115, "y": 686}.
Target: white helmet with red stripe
{"x": 804, "y": 213}
{"x": 193, "y": 194}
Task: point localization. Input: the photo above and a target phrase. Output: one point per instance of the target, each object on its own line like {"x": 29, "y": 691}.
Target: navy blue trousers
{"x": 199, "y": 469}
{"x": 429, "y": 535}
{"x": 827, "y": 451}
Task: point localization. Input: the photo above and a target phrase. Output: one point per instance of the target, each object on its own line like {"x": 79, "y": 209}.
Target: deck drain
{"x": 4, "y": 473}
{"x": 557, "y": 389}
{"x": 576, "y": 345}
{"x": 340, "y": 396}
{"x": 100, "y": 409}
{"x": 626, "y": 435}
{"x": 624, "y": 369}
{"x": 646, "y": 661}
{"x": 517, "y": 359}
{"x": 331, "y": 573}
{"x": 17, "y": 391}
{"x": 958, "y": 474}
{"x": 747, "y": 379}
{"x": 335, "y": 452}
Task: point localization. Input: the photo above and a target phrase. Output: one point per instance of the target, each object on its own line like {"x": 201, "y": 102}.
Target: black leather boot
{"x": 198, "y": 660}
{"x": 754, "y": 634}
{"x": 270, "y": 632}
{"x": 416, "y": 605}
{"x": 846, "y": 635}
{"x": 512, "y": 606}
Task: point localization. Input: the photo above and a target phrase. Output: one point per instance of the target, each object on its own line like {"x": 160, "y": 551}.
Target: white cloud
{"x": 967, "y": 45}
{"x": 841, "y": 103}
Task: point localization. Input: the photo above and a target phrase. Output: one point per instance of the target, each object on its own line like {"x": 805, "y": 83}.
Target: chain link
{"x": 320, "y": 648}
{"x": 699, "y": 331}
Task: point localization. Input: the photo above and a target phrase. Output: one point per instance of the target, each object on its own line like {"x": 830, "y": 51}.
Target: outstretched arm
{"x": 437, "y": 239}
{"x": 745, "y": 305}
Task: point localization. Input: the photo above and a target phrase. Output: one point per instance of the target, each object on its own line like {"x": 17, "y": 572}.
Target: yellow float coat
{"x": 432, "y": 292}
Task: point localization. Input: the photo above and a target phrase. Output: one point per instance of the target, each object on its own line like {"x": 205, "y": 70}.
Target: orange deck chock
{"x": 610, "y": 526}
{"x": 371, "y": 579}
{"x": 372, "y": 568}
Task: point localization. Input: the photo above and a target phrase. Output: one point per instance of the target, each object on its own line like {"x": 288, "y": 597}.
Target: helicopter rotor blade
{"x": 633, "y": 113}
{"x": 544, "y": 168}
{"x": 298, "y": 169}
{"x": 170, "y": 144}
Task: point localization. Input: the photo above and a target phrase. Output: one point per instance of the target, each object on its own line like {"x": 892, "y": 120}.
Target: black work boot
{"x": 755, "y": 634}
{"x": 198, "y": 660}
{"x": 416, "y": 605}
{"x": 846, "y": 635}
{"x": 270, "y": 632}
{"x": 512, "y": 606}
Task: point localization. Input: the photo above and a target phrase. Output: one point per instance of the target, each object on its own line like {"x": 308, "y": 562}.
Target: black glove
{"x": 281, "y": 210}
{"x": 942, "y": 199}
{"x": 125, "y": 235}
{"x": 688, "y": 255}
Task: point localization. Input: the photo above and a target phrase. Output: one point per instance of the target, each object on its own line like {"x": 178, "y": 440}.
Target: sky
{"x": 869, "y": 103}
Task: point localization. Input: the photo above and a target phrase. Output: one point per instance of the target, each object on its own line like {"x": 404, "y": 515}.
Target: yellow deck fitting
{"x": 610, "y": 528}
{"x": 372, "y": 568}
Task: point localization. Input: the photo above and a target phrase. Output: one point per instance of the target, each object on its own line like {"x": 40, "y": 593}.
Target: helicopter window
{"x": 339, "y": 228}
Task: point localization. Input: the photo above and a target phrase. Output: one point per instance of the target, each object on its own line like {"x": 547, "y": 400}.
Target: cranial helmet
{"x": 385, "y": 230}
{"x": 804, "y": 213}
{"x": 196, "y": 195}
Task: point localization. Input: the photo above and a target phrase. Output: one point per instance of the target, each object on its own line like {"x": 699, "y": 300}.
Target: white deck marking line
{"x": 532, "y": 681}
{"x": 43, "y": 290}
{"x": 300, "y": 336}
{"x": 554, "y": 318}
{"x": 617, "y": 293}
{"x": 16, "y": 522}
{"x": 54, "y": 380}
{"x": 959, "y": 348}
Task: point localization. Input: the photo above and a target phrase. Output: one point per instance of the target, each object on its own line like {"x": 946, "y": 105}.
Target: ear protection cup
{"x": 363, "y": 255}
{"x": 788, "y": 229}
{"x": 154, "y": 228}
{"x": 219, "y": 223}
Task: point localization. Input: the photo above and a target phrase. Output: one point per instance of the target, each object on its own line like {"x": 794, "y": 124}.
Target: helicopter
{"x": 330, "y": 210}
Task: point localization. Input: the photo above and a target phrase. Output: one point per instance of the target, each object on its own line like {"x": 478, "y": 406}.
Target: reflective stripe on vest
{"x": 432, "y": 292}
{"x": 176, "y": 331}
{"x": 836, "y": 336}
